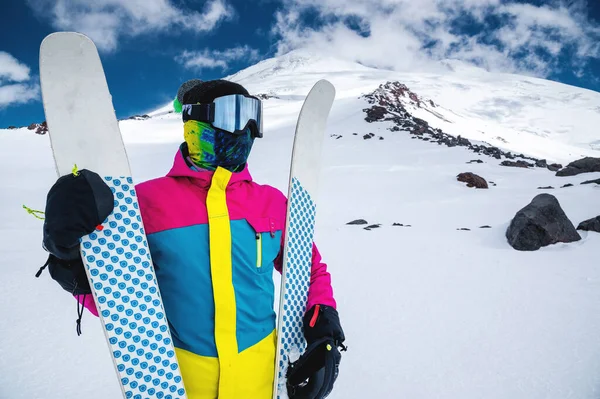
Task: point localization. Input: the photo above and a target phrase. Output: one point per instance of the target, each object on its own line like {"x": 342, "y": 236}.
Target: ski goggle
{"x": 233, "y": 113}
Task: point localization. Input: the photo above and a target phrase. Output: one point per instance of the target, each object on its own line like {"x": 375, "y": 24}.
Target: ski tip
{"x": 60, "y": 36}
{"x": 324, "y": 85}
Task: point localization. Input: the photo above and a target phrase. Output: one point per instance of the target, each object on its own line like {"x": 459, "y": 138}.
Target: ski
{"x": 84, "y": 131}
{"x": 300, "y": 224}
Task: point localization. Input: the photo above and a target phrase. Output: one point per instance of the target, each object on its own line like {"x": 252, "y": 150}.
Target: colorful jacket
{"x": 215, "y": 238}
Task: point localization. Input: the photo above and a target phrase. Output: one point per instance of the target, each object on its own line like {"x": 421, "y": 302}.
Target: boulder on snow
{"x": 42, "y": 128}
{"x": 472, "y": 180}
{"x": 584, "y": 165}
{"x": 597, "y": 181}
{"x": 358, "y": 222}
{"x": 592, "y": 224}
{"x": 541, "y": 223}
{"x": 554, "y": 167}
{"x": 517, "y": 164}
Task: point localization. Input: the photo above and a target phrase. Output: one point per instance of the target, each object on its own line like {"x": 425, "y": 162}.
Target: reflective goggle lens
{"x": 233, "y": 113}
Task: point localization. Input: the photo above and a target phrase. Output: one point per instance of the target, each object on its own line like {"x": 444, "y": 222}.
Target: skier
{"x": 215, "y": 237}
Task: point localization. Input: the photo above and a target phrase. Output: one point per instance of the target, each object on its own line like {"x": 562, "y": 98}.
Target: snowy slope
{"x": 429, "y": 311}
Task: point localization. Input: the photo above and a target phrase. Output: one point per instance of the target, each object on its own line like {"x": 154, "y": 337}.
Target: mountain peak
{"x": 298, "y": 60}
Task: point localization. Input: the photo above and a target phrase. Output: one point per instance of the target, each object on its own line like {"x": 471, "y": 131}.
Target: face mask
{"x": 210, "y": 148}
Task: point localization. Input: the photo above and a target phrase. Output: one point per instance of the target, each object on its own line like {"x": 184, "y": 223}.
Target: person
{"x": 207, "y": 270}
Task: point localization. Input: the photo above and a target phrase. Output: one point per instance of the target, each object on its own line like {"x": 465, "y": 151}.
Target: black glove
{"x": 313, "y": 375}
{"x": 76, "y": 205}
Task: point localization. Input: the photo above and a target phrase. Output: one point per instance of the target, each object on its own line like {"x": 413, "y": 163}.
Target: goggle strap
{"x": 198, "y": 112}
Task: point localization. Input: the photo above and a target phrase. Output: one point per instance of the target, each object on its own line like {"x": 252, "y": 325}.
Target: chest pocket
{"x": 267, "y": 239}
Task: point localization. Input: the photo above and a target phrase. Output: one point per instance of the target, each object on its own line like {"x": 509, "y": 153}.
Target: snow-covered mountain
{"x": 430, "y": 310}
{"x": 542, "y": 118}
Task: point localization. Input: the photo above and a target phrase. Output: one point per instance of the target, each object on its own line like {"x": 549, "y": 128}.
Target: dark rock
{"x": 475, "y": 161}
{"x": 555, "y": 167}
{"x": 585, "y": 165}
{"x": 373, "y": 226}
{"x": 380, "y": 138}
{"x": 12, "y": 127}
{"x": 463, "y": 229}
{"x": 472, "y": 180}
{"x": 138, "y": 117}
{"x": 264, "y": 96}
{"x": 357, "y": 222}
{"x": 541, "y": 163}
{"x": 592, "y": 224}
{"x": 420, "y": 122}
{"x": 485, "y": 227}
{"x": 33, "y": 126}
{"x": 567, "y": 185}
{"x": 541, "y": 223}
{"x": 368, "y": 136}
{"x": 42, "y": 128}
{"x": 597, "y": 181}
{"x": 463, "y": 142}
{"x": 355, "y": 134}
{"x": 414, "y": 97}
{"x": 375, "y": 113}
{"x": 517, "y": 164}
{"x": 546, "y": 188}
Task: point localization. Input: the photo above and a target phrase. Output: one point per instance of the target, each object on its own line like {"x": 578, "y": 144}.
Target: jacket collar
{"x": 202, "y": 178}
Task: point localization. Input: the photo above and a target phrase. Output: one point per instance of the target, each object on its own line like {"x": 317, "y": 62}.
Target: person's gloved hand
{"x": 75, "y": 206}
{"x": 313, "y": 375}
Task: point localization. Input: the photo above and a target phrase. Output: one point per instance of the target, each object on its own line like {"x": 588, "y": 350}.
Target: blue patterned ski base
{"x": 297, "y": 278}
{"x": 129, "y": 302}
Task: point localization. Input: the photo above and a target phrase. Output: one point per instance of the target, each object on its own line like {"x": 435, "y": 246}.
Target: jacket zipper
{"x": 258, "y": 250}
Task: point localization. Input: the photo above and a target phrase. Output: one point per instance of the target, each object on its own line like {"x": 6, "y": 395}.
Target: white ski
{"x": 84, "y": 131}
{"x": 300, "y": 224}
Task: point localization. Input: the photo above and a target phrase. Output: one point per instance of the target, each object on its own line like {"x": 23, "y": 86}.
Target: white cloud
{"x": 13, "y": 94}
{"x": 210, "y": 59}
{"x": 11, "y": 69}
{"x": 14, "y": 88}
{"x": 106, "y": 21}
{"x": 415, "y": 35}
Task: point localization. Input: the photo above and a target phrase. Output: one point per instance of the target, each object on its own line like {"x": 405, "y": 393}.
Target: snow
{"x": 429, "y": 311}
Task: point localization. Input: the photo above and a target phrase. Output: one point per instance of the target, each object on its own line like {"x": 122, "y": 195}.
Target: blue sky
{"x": 149, "y": 47}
